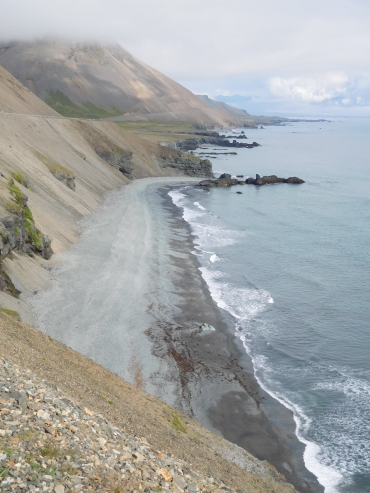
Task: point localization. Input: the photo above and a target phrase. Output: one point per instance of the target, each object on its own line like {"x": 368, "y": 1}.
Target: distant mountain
{"x": 15, "y": 98}
{"x": 94, "y": 81}
{"x": 221, "y": 106}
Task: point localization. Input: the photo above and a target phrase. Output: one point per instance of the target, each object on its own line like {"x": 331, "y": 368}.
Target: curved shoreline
{"x": 133, "y": 280}
{"x": 265, "y": 427}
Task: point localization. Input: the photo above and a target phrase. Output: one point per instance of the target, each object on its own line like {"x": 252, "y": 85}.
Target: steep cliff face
{"x": 17, "y": 233}
{"x": 18, "y": 230}
{"x": 120, "y": 159}
{"x": 55, "y": 171}
{"x": 186, "y": 164}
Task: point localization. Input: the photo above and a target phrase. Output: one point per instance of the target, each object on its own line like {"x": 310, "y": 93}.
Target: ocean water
{"x": 292, "y": 263}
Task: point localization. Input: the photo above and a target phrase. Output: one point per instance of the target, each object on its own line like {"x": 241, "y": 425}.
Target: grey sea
{"x": 292, "y": 264}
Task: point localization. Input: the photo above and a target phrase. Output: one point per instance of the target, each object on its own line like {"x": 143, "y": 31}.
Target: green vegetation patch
{"x": 16, "y": 192}
{"x": 17, "y": 176}
{"x": 13, "y": 207}
{"x": 53, "y": 165}
{"x": 33, "y": 234}
{"x": 19, "y": 206}
{"x": 12, "y": 313}
{"x": 98, "y": 112}
{"x": 160, "y": 131}
{"x": 28, "y": 214}
{"x": 51, "y": 452}
{"x": 177, "y": 423}
{"x": 4, "y": 472}
{"x": 65, "y": 107}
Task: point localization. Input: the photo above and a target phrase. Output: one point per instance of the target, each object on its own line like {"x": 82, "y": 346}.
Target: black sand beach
{"x": 130, "y": 296}
{"x": 218, "y": 385}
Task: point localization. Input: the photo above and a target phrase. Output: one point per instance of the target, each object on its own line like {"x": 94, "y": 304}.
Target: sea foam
{"x": 245, "y": 304}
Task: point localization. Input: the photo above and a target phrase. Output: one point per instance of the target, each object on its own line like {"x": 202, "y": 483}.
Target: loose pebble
{"x": 49, "y": 444}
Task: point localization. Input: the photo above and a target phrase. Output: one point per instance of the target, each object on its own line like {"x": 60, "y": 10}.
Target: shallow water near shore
{"x": 291, "y": 264}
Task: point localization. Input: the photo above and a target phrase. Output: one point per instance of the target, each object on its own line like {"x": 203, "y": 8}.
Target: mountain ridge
{"x": 95, "y": 81}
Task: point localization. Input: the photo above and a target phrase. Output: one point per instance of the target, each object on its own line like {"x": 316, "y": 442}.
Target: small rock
{"x": 206, "y": 327}
{"x": 125, "y": 456}
{"x": 138, "y": 457}
{"x": 165, "y": 474}
{"x": 43, "y": 414}
{"x": 144, "y": 441}
{"x": 180, "y": 482}
{"x": 107, "y": 429}
{"x": 102, "y": 441}
{"x": 59, "y": 488}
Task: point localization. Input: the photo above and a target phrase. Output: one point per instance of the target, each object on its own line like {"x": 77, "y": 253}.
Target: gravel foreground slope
{"x": 68, "y": 425}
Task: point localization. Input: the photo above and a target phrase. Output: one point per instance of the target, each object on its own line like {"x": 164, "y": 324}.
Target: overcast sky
{"x": 277, "y": 56}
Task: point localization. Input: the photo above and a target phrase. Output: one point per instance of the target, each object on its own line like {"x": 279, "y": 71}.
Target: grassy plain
{"x": 160, "y": 131}
{"x": 65, "y": 107}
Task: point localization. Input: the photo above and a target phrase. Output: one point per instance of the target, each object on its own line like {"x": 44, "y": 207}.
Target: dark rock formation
{"x": 6, "y": 284}
{"x": 217, "y": 153}
{"x": 186, "y": 163}
{"x": 192, "y": 144}
{"x": 224, "y": 180}
{"x": 65, "y": 177}
{"x": 18, "y": 233}
{"x": 61, "y": 173}
{"x": 294, "y": 180}
{"x": 18, "y": 230}
{"x": 120, "y": 159}
{"x": 266, "y": 180}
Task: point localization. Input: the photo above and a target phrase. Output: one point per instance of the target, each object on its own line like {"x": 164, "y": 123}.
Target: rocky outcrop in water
{"x": 193, "y": 144}
{"x": 266, "y": 180}
{"x": 225, "y": 180}
{"x": 241, "y": 136}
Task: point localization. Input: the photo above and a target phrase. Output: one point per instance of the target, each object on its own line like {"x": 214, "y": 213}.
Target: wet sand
{"x": 130, "y": 296}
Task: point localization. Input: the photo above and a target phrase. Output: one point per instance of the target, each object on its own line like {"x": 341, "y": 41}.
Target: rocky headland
{"x": 193, "y": 144}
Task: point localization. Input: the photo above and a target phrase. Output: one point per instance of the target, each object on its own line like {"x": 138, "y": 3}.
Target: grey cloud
{"x": 209, "y": 44}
